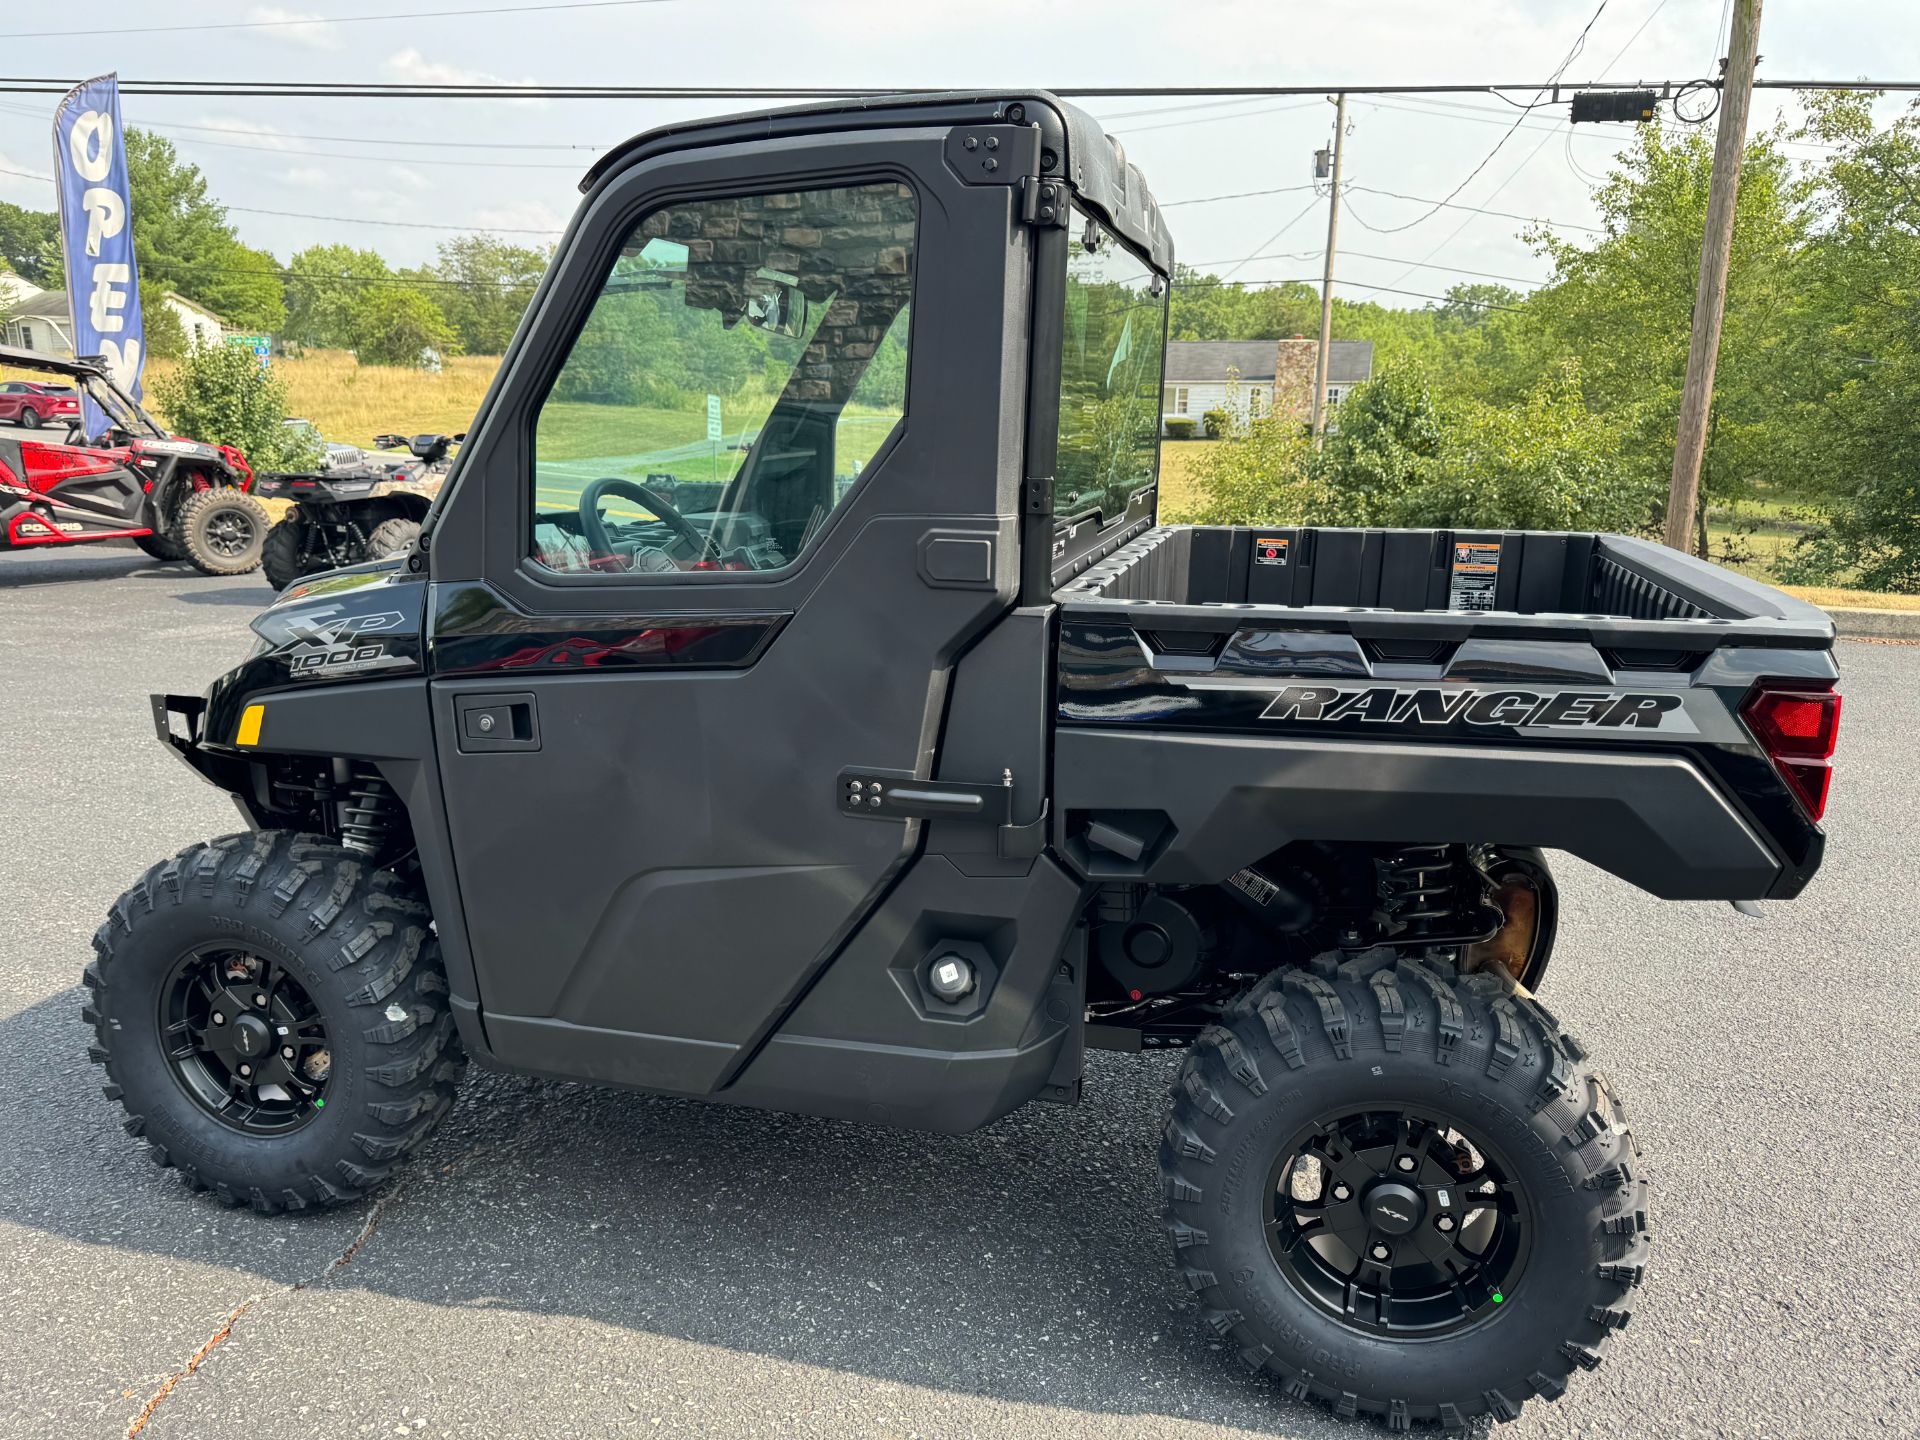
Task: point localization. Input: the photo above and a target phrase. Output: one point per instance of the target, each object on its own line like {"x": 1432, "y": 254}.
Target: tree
{"x": 30, "y": 245}
{"x": 489, "y": 283}
{"x": 398, "y": 325}
{"x": 166, "y": 337}
{"x": 1855, "y": 377}
{"x": 1383, "y": 449}
{"x": 1548, "y": 463}
{"x": 244, "y": 289}
{"x": 222, "y": 395}
{"x": 1622, "y": 305}
{"x": 182, "y": 241}
{"x": 324, "y": 285}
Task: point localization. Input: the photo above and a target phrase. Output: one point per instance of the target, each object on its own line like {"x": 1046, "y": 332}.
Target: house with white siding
{"x": 37, "y": 319}
{"x": 1251, "y": 378}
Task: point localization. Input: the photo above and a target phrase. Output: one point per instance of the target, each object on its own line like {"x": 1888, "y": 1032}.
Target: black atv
{"x": 365, "y": 509}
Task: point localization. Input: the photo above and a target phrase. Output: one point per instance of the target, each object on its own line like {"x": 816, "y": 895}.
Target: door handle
{"x": 486, "y": 723}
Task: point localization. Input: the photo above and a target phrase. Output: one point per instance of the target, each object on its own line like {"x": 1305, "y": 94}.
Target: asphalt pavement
{"x": 566, "y": 1262}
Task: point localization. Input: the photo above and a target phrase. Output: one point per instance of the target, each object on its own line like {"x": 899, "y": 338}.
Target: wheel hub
{"x": 1393, "y": 1208}
{"x": 245, "y": 1040}
{"x": 1395, "y": 1222}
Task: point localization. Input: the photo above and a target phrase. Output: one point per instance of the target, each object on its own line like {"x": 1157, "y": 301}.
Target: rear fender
{"x": 1192, "y": 809}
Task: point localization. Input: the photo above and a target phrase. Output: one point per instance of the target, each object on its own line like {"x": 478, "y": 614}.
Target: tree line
{"x": 1558, "y": 407}
{"x": 467, "y": 299}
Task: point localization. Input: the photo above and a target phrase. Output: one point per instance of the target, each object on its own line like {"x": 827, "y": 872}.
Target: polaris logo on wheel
{"x": 1509, "y": 709}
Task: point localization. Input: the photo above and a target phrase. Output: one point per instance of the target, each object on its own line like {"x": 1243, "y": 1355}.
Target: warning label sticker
{"x": 1476, "y": 573}
{"x": 1270, "y": 552}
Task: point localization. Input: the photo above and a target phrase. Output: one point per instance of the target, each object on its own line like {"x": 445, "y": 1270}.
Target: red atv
{"x": 176, "y": 499}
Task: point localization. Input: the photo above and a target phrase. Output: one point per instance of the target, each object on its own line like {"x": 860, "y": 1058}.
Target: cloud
{"x": 411, "y": 65}
{"x": 21, "y": 190}
{"x": 521, "y": 215}
{"x": 309, "y": 177}
{"x": 313, "y": 31}
{"x": 243, "y": 130}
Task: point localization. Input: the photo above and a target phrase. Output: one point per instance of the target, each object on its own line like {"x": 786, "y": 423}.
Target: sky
{"x": 428, "y": 168}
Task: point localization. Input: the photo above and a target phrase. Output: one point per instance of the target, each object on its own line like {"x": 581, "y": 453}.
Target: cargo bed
{"x": 1522, "y": 584}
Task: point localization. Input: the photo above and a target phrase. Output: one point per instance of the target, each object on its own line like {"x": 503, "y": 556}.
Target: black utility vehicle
{"x": 919, "y": 759}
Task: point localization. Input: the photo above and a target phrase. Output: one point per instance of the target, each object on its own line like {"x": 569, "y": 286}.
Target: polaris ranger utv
{"x": 924, "y": 759}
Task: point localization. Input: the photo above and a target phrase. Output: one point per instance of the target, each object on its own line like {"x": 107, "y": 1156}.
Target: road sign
{"x": 260, "y": 345}
{"x": 713, "y": 417}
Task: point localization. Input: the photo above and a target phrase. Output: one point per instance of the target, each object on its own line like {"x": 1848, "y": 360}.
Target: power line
{"x": 315, "y": 20}
{"x": 1311, "y": 204}
{"x": 1579, "y": 44}
{"x": 1618, "y": 57}
{"x": 1476, "y": 209}
{"x": 1315, "y": 280}
{"x": 397, "y": 90}
{"x": 1200, "y": 265}
{"x": 351, "y": 219}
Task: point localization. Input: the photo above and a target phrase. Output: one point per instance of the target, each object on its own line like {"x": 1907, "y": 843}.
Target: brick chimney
{"x": 1293, "y": 368}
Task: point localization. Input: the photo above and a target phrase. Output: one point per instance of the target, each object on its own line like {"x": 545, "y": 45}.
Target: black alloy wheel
{"x": 1403, "y": 1190}
{"x": 230, "y": 533}
{"x": 1395, "y": 1223}
{"x": 245, "y": 1040}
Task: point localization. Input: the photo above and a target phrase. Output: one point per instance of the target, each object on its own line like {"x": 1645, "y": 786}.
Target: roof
{"x": 1091, "y": 160}
{"x": 1349, "y": 361}
{"x": 47, "y": 305}
{"x": 1202, "y": 362}
{"x": 175, "y": 297}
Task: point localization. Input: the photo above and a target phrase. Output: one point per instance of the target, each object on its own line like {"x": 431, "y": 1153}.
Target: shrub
{"x": 394, "y": 326}
{"x": 1180, "y": 427}
{"x": 1265, "y": 477}
{"x": 1218, "y": 422}
{"x": 221, "y": 395}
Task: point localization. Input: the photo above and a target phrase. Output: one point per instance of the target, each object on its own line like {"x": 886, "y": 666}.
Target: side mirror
{"x": 775, "y": 304}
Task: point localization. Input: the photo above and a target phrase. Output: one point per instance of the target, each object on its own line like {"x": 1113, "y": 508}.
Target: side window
{"x": 742, "y": 363}
{"x": 1110, "y": 391}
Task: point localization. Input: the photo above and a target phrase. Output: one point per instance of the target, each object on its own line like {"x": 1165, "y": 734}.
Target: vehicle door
{"x": 746, "y": 489}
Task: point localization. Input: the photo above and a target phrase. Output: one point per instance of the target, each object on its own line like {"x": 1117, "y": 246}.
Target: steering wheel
{"x": 595, "y": 529}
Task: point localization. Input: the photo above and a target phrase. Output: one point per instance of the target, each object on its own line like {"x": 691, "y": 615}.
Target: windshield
{"x": 1116, "y": 322}
{"x": 121, "y": 412}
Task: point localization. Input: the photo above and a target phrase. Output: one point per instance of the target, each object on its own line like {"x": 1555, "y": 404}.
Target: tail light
{"x": 1797, "y": 729}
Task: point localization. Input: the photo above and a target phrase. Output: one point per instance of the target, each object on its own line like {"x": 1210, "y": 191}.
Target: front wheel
{"x": 222, "y": 530}
{"x": 272, "y": 1013}
{"x": 1404, "y": 1192}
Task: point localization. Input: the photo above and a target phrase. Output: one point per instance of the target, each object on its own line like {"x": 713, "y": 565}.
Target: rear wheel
{"x": 1405, "y": 1193}
{"x": 272, "y": 1014}
{"x": 161, "y": 547}
{"x": 391, "y": 537}
{"x": 282, "y": 559}
{"x": 222, "y": 530}
{"x": 30, "y": 417}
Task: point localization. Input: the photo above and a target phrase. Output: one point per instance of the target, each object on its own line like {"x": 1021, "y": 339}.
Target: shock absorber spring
{"x": 1418, "y": 887}
{"x": 367, "y": 813}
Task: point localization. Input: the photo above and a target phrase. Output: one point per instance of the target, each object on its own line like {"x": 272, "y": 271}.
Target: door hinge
{"x": 897, "y": 795}
{"x": 1043, "y": 201}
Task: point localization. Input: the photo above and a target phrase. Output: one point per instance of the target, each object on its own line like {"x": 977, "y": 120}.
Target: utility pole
{"x": 1319, "y": 412}
{"x": 1709, "y": 299}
